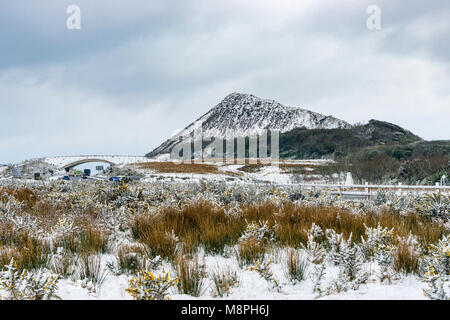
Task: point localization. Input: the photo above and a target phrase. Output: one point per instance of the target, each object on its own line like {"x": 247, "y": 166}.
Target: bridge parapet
{"x": 72, "y": 161}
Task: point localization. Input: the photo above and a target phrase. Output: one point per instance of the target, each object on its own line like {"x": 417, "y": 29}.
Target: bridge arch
{"x": 81, "y": 161}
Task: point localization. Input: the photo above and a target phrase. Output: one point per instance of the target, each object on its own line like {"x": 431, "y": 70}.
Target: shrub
{"x": 314, "y": 250}
{"x": 264, "y": 270}
{"x": 27, "y": 285}
{"x": 434, "y": 205}
{"x": 317, "y": 275}
{"x": 350, "y": 263}
{"x": 147, "y": 286}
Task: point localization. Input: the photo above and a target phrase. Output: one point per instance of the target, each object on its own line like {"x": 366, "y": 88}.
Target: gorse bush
{"x": 27, "y": 285}
{"x": 436, "y": 266}
{"x": 314, "y": 250}
{"x": 148, "y": 286}
{"x": 434, "y": 205}
{"x": 264, "y": 270}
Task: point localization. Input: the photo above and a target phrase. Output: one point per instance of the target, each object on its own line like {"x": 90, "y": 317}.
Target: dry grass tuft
{"x": 28, "y": 251}
{"x": 224, "y": 279}
{"x": 191, "y": 275}
{"x": 250, "y": 252}
{"x": 194, "y": 225}
{"x": 25, "y": 195}
{"x": 295, "y": 266}
{"x": 204, "y": 224}
{"x": 405, "y": 260}
{"x": 171, "y": 167}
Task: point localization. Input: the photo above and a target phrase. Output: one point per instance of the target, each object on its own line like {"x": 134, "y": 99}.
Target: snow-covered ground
{"x": 253, "y": 287}
{"x": 119, "y": 203}
{"x": 271, "y": 174}
{"x": 231, "y": 172}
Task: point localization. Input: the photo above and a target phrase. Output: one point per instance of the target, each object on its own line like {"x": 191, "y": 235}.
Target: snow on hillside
{"x": 245, "y": 114}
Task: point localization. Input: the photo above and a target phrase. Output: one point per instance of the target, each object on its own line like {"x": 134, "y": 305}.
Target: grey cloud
{"x": 149, "y": 67}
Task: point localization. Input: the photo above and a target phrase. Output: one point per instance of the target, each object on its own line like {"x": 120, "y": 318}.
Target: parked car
{"x": 66, "y": 178}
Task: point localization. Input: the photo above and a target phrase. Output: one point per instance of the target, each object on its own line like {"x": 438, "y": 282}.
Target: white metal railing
{"x": 368, "y": 188}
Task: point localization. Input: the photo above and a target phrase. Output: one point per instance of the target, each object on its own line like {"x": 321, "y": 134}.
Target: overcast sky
{"x": 138, "y": 70}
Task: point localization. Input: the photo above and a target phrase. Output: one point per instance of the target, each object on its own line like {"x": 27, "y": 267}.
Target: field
{"x": 171, "y": 167}
{"x": 106, "y": 240}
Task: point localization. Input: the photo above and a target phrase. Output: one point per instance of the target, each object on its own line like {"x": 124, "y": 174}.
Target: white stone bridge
{"x": 72, "y": 161}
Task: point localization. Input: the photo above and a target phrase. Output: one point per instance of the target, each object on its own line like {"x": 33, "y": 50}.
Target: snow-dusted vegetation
{"x": 105, "y": 240}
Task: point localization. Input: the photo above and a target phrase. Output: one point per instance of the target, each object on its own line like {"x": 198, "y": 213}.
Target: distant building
{"x": 17, "y": 172}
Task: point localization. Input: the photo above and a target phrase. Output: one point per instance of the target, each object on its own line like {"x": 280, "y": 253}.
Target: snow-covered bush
{"x": 438, "y": 286}
{"x": 259, "y": 231}
{"x": 384, "y": 255}
{"x": 381, "y": 197}
{"x": 437, "y": 261}
{"x": 7, "y": 207}
{"x": 64, "y": 227}
{"x": 378, "y": 246}
{"x": 148, "y": 286}
{"x": 317, "y": 276}
{"x": 265, "y": 272}
{"x": 349, "y": 258}
{"x": 27, "y": 285}
{"x": 437, "y": 270}
{"x": 434, "y": 205}
{"x": 376, "y": 239}
{"x": 315, "y": 251}
{"x": 334, "y": 241}
{"x": 317, "y": 232}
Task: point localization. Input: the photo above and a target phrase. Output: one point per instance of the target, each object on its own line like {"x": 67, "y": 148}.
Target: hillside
{"x": 243, "y": 114}
{"x": 302, "y": 143}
